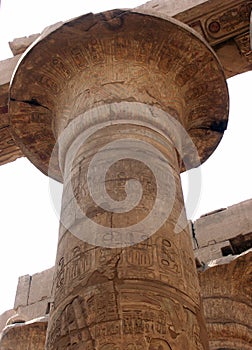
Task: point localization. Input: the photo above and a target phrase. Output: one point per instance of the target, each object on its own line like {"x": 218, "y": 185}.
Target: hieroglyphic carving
{"x": 70, "y": 272}
{"x": 138, "y": 261}
{"x": 218, "y": 25}
{"x": 200, "y": 91}
{"x": 189, "y": 272}
{"x": 168, "y": 256}
{"x": 244, "y": 43}
{"x": 147, "y": 48}
{"x": 69, "y": 327}
{"x": 79, "y": 57}
{"x": 8, "y": 150}
{"x": 165, "y": 321}
{"x": 59, "y": 65}
{"x": 121, "y": 48}
{"x": 49, "y": 83}
{"x": 108, "y": 329}
{"x": 94, "y": 51}
{"x": 60, "y": 274}
{"x": 230, "y": 20}
{"x": 102, "y": 309}
{"x": 140, "y": 254}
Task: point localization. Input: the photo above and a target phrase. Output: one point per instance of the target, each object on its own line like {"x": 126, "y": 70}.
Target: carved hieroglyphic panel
{"x": 244, "y": 43}
{"x": 131, "y": 58}
{"x": 30, "y": 335}
{"x": 219, "y": 21}
{"x": 9, "y": 151}
{"x": 226, "y": 291}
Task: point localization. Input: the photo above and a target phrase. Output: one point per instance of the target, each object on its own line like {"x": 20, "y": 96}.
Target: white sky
{"x": 28, "y": 231}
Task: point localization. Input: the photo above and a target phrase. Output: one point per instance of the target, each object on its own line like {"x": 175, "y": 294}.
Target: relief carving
{"x": 231, "y": 20}
{"x": 79, "y": 57}
{"x": 61, "y": 68}
{"x": 60, "y": 273}
{"x": 140, "y": 254}
{"x": 69, "y": 327}
{"x": 168, "y": 256}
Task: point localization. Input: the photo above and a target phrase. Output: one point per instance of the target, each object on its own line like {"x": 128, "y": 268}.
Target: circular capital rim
{"x": 175, "y": 70}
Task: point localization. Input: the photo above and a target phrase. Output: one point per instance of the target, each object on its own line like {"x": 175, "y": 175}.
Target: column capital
{"x": 116, "y": 56}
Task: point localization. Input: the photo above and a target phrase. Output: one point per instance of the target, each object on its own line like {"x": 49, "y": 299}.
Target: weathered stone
{"x": 39, "y": 289}
{"x": 24, "y": 336}
{"x": 215, "y": 230}
{"x": 134, "y": 74}
{"x": 19, "y": 45}
{"x": 224, "y": 24}
{"x": 4, "y": 318}
{"x": 226, "y": 291}
{"x": 232, "y": 43}
{"x": 9, "y": 151}
{"x": 171, "y": 7}
{"x": 23, "y": 290}
{"x": 210, "y": 252}
{"x": 33, "y": 296}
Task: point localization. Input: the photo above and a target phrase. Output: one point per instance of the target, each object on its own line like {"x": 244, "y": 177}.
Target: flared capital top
{"x": 116, "y": 56}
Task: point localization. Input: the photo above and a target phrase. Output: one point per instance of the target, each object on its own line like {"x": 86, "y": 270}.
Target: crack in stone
{"x": 32, "y": 102}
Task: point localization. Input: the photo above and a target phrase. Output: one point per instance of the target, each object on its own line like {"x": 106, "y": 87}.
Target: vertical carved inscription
{"x": 168, "y": 256}
{"x": 140, "y": 254}
{"x": 79, "y": 57}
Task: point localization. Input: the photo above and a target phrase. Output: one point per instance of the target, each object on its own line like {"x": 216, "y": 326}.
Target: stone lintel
{"x": 224, "y": 225}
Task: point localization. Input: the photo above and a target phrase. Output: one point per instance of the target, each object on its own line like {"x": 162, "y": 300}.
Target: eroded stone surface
{"x": 27, "y": 336}
{"x": 4, "y": 318}
{"x": 225, "y": 26}
{"x": 121, "y": 65}
{"x": 144, "y": 87}
{"x": 33, "y": 296}
{"x": 19, "y": 45}
{"x": 171, "y": 7}
{"x": 9, "y": 151}
{"x": 93, "y": 82}
{"x": 226, "y": 291}
{"x": 222, "y": 228}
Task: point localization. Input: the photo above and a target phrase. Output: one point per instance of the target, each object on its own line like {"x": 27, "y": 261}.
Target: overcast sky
{"x": 29, "y": 224}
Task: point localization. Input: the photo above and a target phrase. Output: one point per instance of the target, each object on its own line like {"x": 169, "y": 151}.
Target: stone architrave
{"x": 115, "y": 106}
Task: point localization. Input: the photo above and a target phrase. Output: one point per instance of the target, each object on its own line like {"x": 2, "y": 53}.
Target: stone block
{"x": 41, "y": 285}
{"x": 25, "y": 336}
{"x": 223, "y": 225}
{"x": 38, "y": 309}
{"x": 6, "y": 69}
{"x": 22, "y": 293}
{"x": 171, "y": 7}
{"x": 19, "y": 45}
{"x": 211, "y": 252}
{"x": 4, "y": 318}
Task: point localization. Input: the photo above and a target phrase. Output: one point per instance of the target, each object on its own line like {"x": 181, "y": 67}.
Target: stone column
{"x": 122, "y": 285}
{"x": 129, "y": 98}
